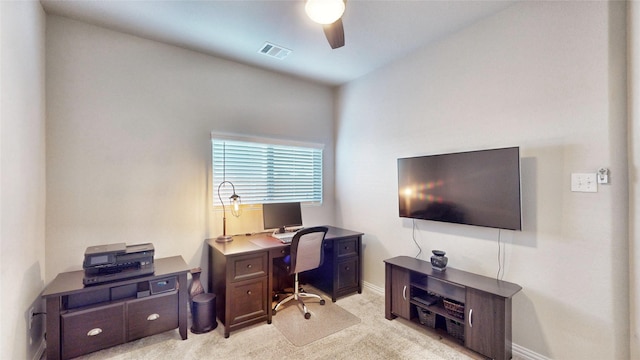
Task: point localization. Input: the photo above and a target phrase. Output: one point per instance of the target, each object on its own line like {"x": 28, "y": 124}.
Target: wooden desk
{"x": 83, "y": 319}
{"x": 241, "y": 274}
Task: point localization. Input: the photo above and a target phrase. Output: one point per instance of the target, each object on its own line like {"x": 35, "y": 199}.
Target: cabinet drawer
{"x": 347, "y": 247}
{"x": 279, "y": 252}
{"x": 152, "y": 315}
{"x": 248, "y": 300}
{"x": 249, "y": 266}
{"x": 91, "y": 330}
{"x": 446, "y": 289}
{"x": 348, "y": 274}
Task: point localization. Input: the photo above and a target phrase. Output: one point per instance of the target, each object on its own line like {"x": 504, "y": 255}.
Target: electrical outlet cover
{"x": 584, "y": 182}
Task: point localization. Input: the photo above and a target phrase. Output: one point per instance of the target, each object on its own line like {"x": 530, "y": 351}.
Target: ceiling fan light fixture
{"x": 324, "y": 11}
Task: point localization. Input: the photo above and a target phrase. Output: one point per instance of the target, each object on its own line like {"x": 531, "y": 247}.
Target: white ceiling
{"x": 376, "y": 32}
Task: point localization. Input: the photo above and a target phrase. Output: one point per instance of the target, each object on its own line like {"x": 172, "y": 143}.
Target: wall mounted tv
{"x": 475, "y": 188}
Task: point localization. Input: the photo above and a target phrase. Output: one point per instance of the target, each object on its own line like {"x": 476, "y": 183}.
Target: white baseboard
{"x": 40, "y": 352}
{"x": 519, "y": 352}
{"x": 374, "y": 288}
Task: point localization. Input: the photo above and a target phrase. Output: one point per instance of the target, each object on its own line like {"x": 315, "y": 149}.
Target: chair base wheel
{"x": 322, "y": 302}
{"x": 307, "y": 316}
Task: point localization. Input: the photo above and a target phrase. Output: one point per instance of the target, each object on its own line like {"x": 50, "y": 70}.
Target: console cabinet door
{"x": 400, "y": 292}
{"x": 152, "y": 315}
{"x": 486, "y": 326}
{"x": 92, "y": 329}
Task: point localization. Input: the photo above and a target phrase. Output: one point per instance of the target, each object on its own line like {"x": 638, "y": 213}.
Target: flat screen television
{"x": 479, "y": 188}
{"x": 281, "y": 215}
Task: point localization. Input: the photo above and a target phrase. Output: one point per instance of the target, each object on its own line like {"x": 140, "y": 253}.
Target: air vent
{"x": 274, "y": 50}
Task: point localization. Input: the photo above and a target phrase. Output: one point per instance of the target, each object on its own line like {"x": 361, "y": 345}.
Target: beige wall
{"x": 546, "y": 76}
{"x": 633, "y": 17}
{"x": 128, "y": 140}
{"x": 128, "y": 157}
{"x": 22, "y": 177}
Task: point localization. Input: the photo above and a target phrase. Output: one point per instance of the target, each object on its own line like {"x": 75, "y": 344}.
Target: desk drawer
{"x": 248, "y": 300}
{"x": 347, "y": 247}
{"x": 249, "y": 266}
{"x": 91, "y": 330}
{"x": 279, "y": 252}
{"x": 348, "y": 274}
{"x": 152, "y": 315}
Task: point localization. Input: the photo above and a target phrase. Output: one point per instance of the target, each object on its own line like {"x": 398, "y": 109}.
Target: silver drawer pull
{"x": 153, "y": 317}
{"x": 249, "y": 292}
{"x": 94, "y": 332}
{"x": 249, "y": 266}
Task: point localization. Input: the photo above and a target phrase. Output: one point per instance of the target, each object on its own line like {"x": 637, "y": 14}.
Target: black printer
{"x": 104, "y": 263}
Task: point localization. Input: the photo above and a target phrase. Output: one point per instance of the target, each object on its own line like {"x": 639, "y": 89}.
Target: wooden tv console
{"x": 411, "y": 285}
{"x": 82, "y": 319}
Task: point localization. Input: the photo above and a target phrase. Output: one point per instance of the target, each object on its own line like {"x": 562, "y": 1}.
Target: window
{"x": 267, "y": 170}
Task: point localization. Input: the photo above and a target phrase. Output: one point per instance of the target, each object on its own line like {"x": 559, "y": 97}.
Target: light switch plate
{"x": 584, "y": 182}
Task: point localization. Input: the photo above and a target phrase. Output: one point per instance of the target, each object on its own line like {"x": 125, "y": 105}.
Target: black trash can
{"x": 203, "y": 313}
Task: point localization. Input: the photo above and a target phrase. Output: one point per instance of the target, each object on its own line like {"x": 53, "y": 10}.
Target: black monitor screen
{"x": 280, "y": 215}
{"x": 476, "y": 188}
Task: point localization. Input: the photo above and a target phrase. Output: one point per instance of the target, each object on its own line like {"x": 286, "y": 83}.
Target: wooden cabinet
{"x": 93, "y": 329}
{"x": 83, "y": 319}
{"x": 153, "y": 315}
{"x": 240, "y": 282}
{"x": 483, "y": 322}
{"x": 399, "y": 294}
{"x": 339, "y": 274}
{"x": 488, "y": 314}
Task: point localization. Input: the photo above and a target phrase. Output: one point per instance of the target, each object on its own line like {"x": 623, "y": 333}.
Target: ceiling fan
{"x": 329, "y": 14}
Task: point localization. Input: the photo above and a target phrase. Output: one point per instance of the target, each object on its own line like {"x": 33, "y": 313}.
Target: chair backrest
{"x": 307, "y": 249}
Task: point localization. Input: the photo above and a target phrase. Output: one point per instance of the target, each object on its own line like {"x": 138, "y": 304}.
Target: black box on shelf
{"x": 162, "y": 285}
{"x": 124, "y": 291}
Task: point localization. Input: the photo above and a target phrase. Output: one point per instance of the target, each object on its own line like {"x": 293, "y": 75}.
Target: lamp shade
{"x": 235, "y": 204}
{"x": 234, "y": 201}
{"x": 324, "y": 11}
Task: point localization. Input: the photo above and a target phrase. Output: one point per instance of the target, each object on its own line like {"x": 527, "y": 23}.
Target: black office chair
{"x": 306, "y": 254}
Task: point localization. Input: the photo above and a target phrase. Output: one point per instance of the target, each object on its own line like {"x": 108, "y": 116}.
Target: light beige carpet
{"x": 325, "y": 320}
{"x": 373, "y": 338}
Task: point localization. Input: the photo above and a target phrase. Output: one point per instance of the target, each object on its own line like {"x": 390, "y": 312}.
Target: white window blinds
{"x": 267, "y": 171}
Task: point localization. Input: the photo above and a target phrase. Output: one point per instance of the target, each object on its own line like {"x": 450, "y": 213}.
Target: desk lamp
{"x": 234, "y": 200}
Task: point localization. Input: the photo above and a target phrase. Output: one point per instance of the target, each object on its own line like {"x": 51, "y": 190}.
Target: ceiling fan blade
{"x": 335, "y": 34}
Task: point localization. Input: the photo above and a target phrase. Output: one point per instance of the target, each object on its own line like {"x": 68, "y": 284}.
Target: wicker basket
{"x": 426, "y": 317}
{"x": 454, "y": 308}
{"x": 455, "y": 329}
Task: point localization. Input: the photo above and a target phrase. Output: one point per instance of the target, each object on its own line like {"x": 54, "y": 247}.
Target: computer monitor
{"x": 281, "y": 215}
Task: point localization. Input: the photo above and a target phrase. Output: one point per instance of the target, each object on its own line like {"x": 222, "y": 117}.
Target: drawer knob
{"x": 249, "y": 266}
{"x": 248, "y": 292}
{"x": 153, "y": 317}
{"x": 346, "y": 268}
{"x": 94, "y": 332}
